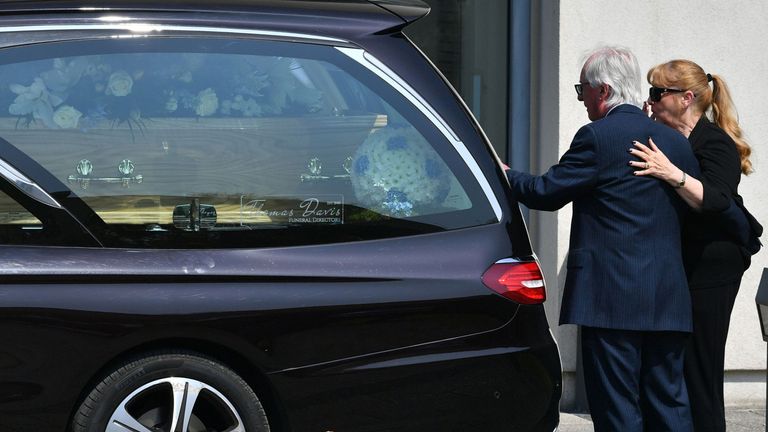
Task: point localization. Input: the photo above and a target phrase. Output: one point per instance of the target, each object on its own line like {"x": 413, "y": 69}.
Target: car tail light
{"x": 518, "y": 281}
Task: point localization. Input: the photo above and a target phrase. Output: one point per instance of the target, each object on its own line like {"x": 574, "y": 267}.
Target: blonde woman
{"x": 681, "y": 95}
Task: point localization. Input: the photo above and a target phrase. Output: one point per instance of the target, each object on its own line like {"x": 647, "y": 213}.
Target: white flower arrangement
{"x": 34, "y": 100}
{"x": 66, "y": 117}
{"x": 120, "y": 84}
{"x": 397, "y": 172}
{"x": 207, "y": 103}
{"x": 80, "y": 92}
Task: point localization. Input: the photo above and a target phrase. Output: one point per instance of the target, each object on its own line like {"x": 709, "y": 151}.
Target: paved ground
{"x": 737, "y": 419}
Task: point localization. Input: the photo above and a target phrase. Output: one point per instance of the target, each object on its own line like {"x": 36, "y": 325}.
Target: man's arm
{"x": 575, "y": 173}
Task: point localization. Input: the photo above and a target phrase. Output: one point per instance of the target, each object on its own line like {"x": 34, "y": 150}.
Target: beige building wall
{"x": 725, "y": 38}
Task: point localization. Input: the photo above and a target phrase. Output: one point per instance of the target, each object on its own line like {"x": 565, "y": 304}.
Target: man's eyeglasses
{"x": 655, "y": 93}
{"x": 579, "y": 89}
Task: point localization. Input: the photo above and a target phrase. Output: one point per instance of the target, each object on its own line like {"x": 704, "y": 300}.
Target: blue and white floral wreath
{"x": 397, "y": 172}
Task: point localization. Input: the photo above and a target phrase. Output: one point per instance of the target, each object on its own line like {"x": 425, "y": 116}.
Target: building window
{"x": 469, "y": 43}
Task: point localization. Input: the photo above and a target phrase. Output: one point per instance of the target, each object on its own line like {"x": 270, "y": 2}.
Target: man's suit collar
{"x": 624, "y": 108}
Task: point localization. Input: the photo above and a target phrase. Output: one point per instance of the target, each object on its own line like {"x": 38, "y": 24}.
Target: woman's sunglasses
{"x": 655, "y": 93}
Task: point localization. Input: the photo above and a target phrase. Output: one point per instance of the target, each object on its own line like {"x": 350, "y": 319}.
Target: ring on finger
{"x": 647, "y": 165}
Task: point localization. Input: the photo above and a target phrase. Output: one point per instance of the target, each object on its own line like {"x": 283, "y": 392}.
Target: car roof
{"x": 405, "y": 11}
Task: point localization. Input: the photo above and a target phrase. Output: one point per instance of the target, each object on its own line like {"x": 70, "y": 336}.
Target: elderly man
{"x": 625, "y": 283}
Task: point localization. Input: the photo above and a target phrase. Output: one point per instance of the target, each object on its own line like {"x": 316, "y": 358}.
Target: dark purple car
{"x": 250, "y": 216}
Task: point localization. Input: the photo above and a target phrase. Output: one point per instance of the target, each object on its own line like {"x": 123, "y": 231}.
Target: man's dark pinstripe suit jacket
{"x": 624, "y": 268}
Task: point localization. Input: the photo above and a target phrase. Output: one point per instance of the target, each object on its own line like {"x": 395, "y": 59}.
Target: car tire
{"x": 154, "y": 393}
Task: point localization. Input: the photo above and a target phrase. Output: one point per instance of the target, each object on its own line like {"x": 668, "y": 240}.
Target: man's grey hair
{"x": 618, "y": 68}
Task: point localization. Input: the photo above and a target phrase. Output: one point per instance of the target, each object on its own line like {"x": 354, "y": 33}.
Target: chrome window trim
{"x": 25, "y": 185}
{"x": 146, "y": 28}
{"x": 371, "y": 63}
